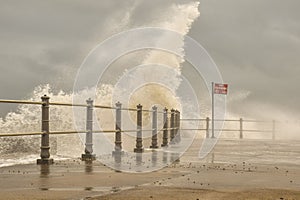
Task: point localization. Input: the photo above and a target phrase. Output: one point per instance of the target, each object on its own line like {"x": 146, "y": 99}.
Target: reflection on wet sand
{"x": 154, "y": 158}
{"x": 44, "y": 170}
{"x": 118, "y": 161}
{"x": 88, "y": 166}
{"x": 174, "y": 157}
{"x": 165, "y": 157}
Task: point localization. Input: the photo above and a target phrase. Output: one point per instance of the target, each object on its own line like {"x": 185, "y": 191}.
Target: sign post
{"x": 217, "y": 88}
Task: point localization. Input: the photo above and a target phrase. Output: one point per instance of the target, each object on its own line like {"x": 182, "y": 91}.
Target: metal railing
{"x": 173, "y": 128}
{"x": 241, "y": 128}
{"x": 170, "y": 131}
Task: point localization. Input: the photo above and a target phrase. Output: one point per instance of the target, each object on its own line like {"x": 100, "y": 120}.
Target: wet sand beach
{"x": 245, "y": 170}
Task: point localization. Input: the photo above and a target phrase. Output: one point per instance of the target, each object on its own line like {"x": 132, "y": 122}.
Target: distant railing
{"x": 171, "y": 123}
{"x": 241, "y": 128}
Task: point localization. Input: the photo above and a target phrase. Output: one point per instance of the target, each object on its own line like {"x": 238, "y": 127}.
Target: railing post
{"x": 139, "y": 140}
{"x": 207, "y": 127}
{"x": 154, "y": 128}
{"x": 165, "y": 128}
{"x": 118, "y": 134}
{"x": 273, "y": 130}
{"x": 178, "y": 136}
{"x": 88, "y": 152}
{"x": 45, "y": 154}
{"x": 241, "y": 128}
{"x": 172, "y": 127}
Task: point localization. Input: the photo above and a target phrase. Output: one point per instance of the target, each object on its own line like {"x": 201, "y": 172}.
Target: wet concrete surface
{"x": 233, "y": 165}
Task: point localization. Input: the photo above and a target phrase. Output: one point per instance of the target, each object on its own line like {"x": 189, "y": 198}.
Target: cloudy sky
{"x": 255, "y": 43}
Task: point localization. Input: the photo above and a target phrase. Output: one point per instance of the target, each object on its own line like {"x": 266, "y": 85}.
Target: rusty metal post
{"x": 175, "y": 126}
{"x": 241, "y": 129}
{"x": 172, "y": 127}
{"x": 139, "y": 140}
{"x": 273, "y": 130}
{"x": 118, "y": 134}
{"x": 178, "y": 136}
{"x": 45, "y": 154}
{"x": 154, "y": 128}
{"x": 165, "y": 128}
{"x": 88, "y": 155}
{"x": 207, "y": 127}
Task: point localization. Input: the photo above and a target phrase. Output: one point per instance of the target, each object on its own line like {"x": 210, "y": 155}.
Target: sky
{"x": 255, "y": 44}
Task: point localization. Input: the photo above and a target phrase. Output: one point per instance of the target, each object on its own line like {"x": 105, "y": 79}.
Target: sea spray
{"x": 27, "y": 117}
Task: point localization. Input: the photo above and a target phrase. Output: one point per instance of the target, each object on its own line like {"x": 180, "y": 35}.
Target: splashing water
{"x": 27, "y": 117}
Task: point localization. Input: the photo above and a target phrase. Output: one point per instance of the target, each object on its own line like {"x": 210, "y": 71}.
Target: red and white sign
{"x": 220, "y": 88}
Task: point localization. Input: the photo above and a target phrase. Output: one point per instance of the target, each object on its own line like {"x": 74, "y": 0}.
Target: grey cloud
{"x": 46, "y": 41}
{"x": 147, "y": 12}
{"x": 256, "y": 46}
